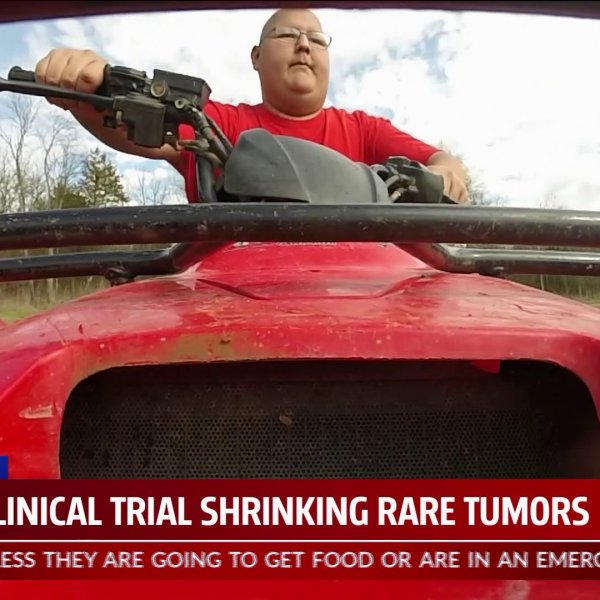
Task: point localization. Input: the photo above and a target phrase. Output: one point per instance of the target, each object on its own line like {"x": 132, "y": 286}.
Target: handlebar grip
{"x": 18, "y": 74}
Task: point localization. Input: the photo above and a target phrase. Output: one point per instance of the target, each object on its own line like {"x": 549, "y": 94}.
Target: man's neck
{"x": 285, "y": 115}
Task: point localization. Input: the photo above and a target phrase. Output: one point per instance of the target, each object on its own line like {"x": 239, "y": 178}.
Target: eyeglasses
{"x": 291, "y": 35}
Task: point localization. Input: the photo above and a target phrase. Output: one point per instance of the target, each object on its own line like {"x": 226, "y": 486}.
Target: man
{"x": 292, "y": 61}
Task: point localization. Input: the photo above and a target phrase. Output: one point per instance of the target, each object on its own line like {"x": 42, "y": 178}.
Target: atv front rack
{"x": 198, "y": 230}
{"x": 152, "y": 109}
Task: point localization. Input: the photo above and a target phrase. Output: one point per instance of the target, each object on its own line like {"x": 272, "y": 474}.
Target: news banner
{"x": 296, "y": 529}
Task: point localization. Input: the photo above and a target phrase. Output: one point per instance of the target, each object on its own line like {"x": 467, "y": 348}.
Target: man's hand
{"x": 454, "y": 186}
{"x": 80, "y": 70}
{"x": 83, "y": 71}
{"x": 453, "y": 173}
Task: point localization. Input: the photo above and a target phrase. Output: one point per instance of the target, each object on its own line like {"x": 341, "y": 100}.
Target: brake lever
{"x": 150, "y": 109}
{"x": 50, "y": 91}
{"x": 409, "y": 181}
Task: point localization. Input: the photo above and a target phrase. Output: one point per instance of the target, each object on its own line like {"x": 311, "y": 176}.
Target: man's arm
{"x": 117, "y": 139}
{"x": 83, "y": 70}
{"x": 385, "y": 140}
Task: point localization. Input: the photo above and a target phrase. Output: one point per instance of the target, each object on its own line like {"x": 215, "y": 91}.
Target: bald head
{"x": 287, "y": 15}
{"x": 292, "y": 60}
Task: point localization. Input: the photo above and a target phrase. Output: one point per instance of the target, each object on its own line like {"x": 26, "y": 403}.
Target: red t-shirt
{"x": 357, "y": 135}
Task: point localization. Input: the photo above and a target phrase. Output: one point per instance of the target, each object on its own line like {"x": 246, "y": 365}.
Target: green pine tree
{"x": 64, "y": 195}
{"x": 101, "y": 184}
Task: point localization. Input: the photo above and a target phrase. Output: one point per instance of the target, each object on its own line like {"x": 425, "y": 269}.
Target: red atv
{"x": 309, "y": 321}
{"x": 313, "y": 318}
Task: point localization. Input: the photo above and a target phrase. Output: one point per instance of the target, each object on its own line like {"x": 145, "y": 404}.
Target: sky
{"x": 515, "y": 96}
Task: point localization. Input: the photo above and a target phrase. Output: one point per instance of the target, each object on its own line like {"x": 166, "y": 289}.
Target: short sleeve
{"x": 385, "y": 140}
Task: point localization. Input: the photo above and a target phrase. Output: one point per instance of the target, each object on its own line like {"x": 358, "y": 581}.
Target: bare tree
{"x": 38, "y": 164}
{"x": 153, "y": 191}
{"x": 22, "y": 113}
{"x": 60, "y": 161}
{"x": 550, "y": 199}
{"x": 7, "y": 184}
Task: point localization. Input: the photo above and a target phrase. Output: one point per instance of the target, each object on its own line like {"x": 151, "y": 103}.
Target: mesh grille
{"x": 481, "y": 426}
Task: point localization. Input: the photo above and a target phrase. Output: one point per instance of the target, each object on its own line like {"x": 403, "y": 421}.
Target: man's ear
{"x": 254, "y": 55}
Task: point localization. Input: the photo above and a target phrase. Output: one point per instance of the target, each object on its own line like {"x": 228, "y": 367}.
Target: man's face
{"x": 293, "y": 69}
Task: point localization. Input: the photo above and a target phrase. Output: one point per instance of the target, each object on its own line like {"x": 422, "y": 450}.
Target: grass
{"x": 593, "y": 300}
{"x": 15, "y": 308}
{"x": 22, "y": 299}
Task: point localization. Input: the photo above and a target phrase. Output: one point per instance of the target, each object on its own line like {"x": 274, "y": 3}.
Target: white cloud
{"x": 518, "y": 98}
{"x": 212, "y": 45}
{"x": 362, "y": 35}
{"x": 519, "y": 102}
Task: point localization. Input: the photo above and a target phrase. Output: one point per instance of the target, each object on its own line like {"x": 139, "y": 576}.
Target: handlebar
{"x": 21, "y": 81}
{"x": 18, "y": 74}
{"x": 153, "y": 108}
